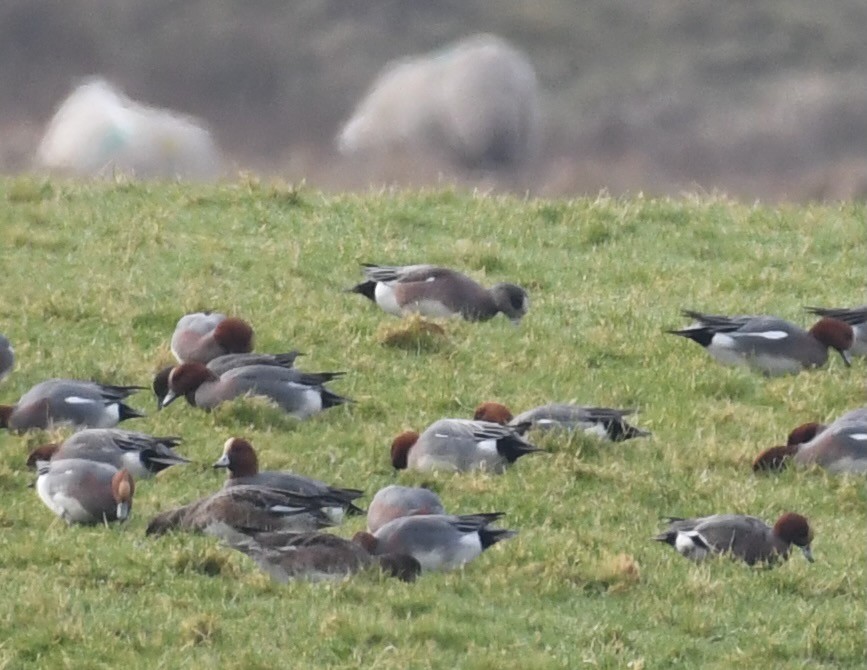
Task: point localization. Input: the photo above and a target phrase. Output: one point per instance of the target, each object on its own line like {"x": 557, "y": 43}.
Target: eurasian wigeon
{"x": 460, "y": 445}
{"x": 603, "y": 422}
{"x": 855, "y": 317}
{"x": 239, "y": 458}
{"x": 299, "y": 394}
{"x": 768, "y": 344}
{"x": 141, "y": 454}
{"x": 436, "y": 541}
{"x": 744, "y": 537}
{"x": 313, "y": 556}
{"x": 839, "y": 447}
{"x": 69, "y": 401}
{"x": 246, "y": 509}
{"x": 84, "y": 491}
{"x": 203, "y": 336}
{"x": 225, "y": 363}
{"x": 439, "y": 292}
{"x": 7, "y": 357}
{"x": 394, "y": 502}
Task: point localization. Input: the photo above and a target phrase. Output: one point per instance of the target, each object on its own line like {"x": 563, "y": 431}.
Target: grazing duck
{"x": 142, "y": 455}
{"x": 460, "y": 446}
{"x": 297, "y": 393}
{"x": 744, "y": 537}
{"x": 439, "y": 292}
{"x": 285, "y": 556}
{"x": 245, "y": 510}
{"x": 7, "y": 357}
{"x": 393, "y": 502}
{"x": 69, "y": 401}
{"x": 85, "y": 492}
{"x": 240, "y": 459}
{"x": 436, "y": 541}
{"x": 768, "y": 344}
{"x": 855, "y": 317}
{"x": 223, "y": 364}
{"x": 838, "y": 448}
{"x": 604, "y": 422}
{"x": 203, "y": 336}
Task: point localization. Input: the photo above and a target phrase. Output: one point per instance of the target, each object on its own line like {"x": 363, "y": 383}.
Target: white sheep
{"x": 99, "y": 131}
{"x": 476, "y": 102}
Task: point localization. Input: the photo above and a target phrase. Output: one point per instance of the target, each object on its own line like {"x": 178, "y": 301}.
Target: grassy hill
{"x": 95, "y": 277}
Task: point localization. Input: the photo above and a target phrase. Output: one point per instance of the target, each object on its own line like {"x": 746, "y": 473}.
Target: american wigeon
{"x": 393, "y": 502}
{"x": 84, "y": 491}
{"x": 603, "y": 422}
{"x": 7, "y": 357}
{"x": 460, "y": 445}
{"x": 240, "y": 459}
{"x": 839, "y": 447}
{"x": 855, "y": 317}
{"x": 313, "y": 556}
{"x": 439, "y": 292}
{"x": 69, "y": 401}
{"x": 246, "y": 509}
{"x": 225, "y": 363}
{"x": 141, "y": 454}
{"x": 203, "y": 336}
{"x": 744, "y": 537}
{"x": 768, "y": 344}
{"x": 299, "y": 394}
{"x": 436, "y": 541}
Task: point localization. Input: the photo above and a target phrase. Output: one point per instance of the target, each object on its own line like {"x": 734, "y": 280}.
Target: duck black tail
{"x": 365, "y": 288}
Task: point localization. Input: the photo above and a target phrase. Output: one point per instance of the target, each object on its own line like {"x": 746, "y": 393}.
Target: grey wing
{"x": 223, "y": 364}
{"x": 389, "y": 273}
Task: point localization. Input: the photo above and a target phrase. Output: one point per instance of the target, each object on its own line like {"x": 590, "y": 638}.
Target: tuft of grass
{"x": 413, "y": 333}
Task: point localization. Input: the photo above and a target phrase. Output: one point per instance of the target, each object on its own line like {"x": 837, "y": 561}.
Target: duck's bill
{"x": 171, "y": 396}
{"x": 222, "y": 462}
{"x": 123, "y": 509}
{"x": 847, "y": 359}
{"x": 808, "y": 554}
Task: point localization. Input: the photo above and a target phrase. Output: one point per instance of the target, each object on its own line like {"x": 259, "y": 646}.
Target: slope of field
{"x": 95, "y": 277}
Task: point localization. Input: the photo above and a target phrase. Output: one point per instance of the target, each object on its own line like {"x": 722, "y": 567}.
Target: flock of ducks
{"x": 278, "y": 518}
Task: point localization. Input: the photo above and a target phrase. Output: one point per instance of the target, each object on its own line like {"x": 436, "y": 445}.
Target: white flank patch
{"x": 596, "y": 429}
{"x": 78, "y": 400}
{"x": 110, "y": 416}
{"x": 723, "y": 341}
{"x": 768, "y": 335}
{"x": 488, "y": 446}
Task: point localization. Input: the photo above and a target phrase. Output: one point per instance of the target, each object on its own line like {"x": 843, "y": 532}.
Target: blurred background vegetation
{"x": 759, "y": 99}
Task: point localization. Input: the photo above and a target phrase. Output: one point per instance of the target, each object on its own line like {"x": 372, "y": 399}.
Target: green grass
{"x": 95, "y": 277}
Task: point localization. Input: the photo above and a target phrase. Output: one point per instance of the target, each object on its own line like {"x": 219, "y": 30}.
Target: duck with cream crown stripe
{"x": 287, "y": 388}
{"x": 744, "y": 537}
{"x": 223, "y": 364}
{"x": 85, "y": 492}
{"x": 840, "y": 447}
{"x": 768, "y": 344}
{"x": 459, "y": 445}
{"x": 240, "y": 459}
{"x": 855, "y": 317}
{"x": 69, "y": 401}
{"x": 439, "y": 292}
{"x": 201, "y": 337}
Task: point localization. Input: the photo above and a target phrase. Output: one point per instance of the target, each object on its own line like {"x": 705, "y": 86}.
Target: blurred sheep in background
{"x": 98, "y": 131}
{"x": 475, "y": 102}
